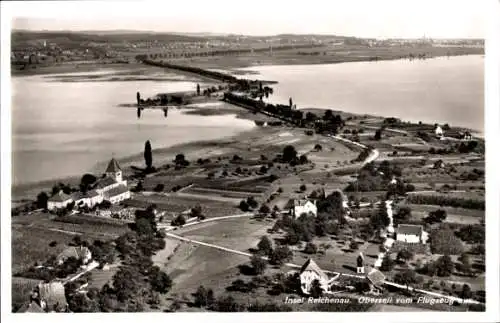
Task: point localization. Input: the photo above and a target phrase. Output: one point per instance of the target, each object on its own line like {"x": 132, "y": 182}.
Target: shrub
{"x": 159, "y": 188}
{"x": 310, "y": 248}
{"x": 472, "y": 233}
{"x": 244, "y": 206}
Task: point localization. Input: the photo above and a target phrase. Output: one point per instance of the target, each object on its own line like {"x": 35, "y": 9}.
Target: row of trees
{"x": 446, "y": 201}
{"x": 224, "y": 52}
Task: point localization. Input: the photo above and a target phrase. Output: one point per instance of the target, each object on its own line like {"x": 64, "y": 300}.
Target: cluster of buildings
{"x": 462, "y": 135}
{"x": 50, "y": 296}
{"x": 112, "y": 187}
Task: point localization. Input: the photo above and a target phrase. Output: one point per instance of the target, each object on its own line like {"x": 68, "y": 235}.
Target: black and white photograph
{"x": 299, "y": 158}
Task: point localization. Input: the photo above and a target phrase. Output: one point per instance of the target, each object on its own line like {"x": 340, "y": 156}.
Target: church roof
{"x": 113, "y": 166}
{"x": 105, "y": 182}
{"x": 310, "y": 265}
{"x": 116, "y": 191}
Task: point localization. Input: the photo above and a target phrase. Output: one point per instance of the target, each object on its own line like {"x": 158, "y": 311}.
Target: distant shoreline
{"x": 232, "y": 65}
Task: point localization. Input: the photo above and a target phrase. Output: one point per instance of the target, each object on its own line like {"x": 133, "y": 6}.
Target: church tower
{"x": 114, "y": 171}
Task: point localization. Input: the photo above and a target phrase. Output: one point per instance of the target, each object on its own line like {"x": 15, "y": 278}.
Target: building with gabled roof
{"x": 78, "y": 252}
{"x": 376, "y": 280}
{"x": 59, "y": 201}
{"x": 309, "y": 272}
{"x": 303, "y": 206}
{"x": 52, "y": 297}
{"x": 411, "y": 233}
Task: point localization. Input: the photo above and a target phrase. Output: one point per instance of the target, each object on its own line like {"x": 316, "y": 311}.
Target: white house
{"x": 59, "y": 201}
{"x": 439, "y": 132}
{"x": 303, "y": 206}
{"x": 411, "y": 233}
{"x": 310, "y": 272}
{"x": 80, "y": 253}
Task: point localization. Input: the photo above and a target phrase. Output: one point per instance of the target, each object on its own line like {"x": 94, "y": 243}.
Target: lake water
{"x": 440, "y": 90}
{"x": 65, "y": 127}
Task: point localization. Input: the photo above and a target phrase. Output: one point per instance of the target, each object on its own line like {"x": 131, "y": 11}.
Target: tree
{"x": 404, "y": 255}
{"x": 289, "y": 154}
{"x": 180, "y": 160}
{"x": 407, "y": 277}
{"x": 197, "y": 211}
{"x": 143, "y": 227}
{"x": 290, "y": 102}
{"x": 264, "y": 209}
{"x": 159, "y": 280}
{"x": 244, "y": 206}
{"x": 403, "y": 214}
{"x": 437, "y": 216}
{"x": 258, "y": 264}
{"x": 378, "y": 134}
{"x": 198, "y": 89}
{"x": 303, "y": 187}
{"x": 466, "y": 265}
{"x": 265, "y": 246}
{"x": 159, "y": 188}
{"x": 303, "y": 159}
{"x": 444, "y": 266}
{"x": 318, "y": 147}
{"x": 380, "y": 219}
{"x": 86, "y": 182}
{"x": 179, "y": 220}
{"x": 80, "y": 303}
{"x": 316, "y": 290}
{"x": 203, "y": 297}
{"x": 148, "y": 155}
{"x": 41, "y": 200}
{"x": 252, "y": 202}
{"x": 387, "y": 263}
{"x": 466, "y": 292}
{"x": 310, "y": 248}
{"x": 280, "y": 255}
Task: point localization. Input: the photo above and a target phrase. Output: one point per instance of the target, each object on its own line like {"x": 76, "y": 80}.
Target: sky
{"x": 360, "y": 18}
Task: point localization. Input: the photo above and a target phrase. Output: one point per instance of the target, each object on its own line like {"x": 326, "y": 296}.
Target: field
{"x": 31, "y": 235}
{"x": 192, "y": 265}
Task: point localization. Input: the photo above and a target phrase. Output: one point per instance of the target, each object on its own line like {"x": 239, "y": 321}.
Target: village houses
{"x": 112, "y": 187}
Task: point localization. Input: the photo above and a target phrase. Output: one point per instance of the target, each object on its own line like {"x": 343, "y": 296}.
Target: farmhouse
{"x": 112, "y": 187}
{"x": 410, "y": 233}
{"x": 303, "y": 206}
{"x": 310, "y": 272}
{"x": 80, "y": 253}
{"x": 59, "y": 201}
{"x": 51, "y": 297}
